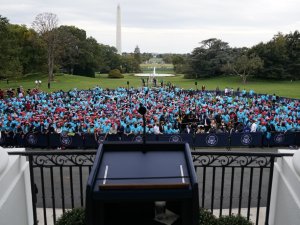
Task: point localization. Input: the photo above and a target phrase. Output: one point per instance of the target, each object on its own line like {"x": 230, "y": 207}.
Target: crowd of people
{"x": 170, "y": 110}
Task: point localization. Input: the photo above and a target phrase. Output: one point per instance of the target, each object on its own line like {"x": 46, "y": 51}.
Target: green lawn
{"x": 66, "y": 82}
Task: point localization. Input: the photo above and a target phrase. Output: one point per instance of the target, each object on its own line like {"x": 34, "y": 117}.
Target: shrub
{"x": 74, "y": 216}
{"x": 189, "y": 76}
{"x": 115, "y": 74}
{"x": 207, "y": 218}
{"x": 84, "y": 71}
{"x": 233, "y": 220}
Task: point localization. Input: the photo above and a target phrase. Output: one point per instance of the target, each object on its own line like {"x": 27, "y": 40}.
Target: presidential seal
{"x": 212, "y": 140}
{"x": 31, "y": 139}
{"x": 138, "y": 139}
{"x": 279, "y": 138}
{"x": 175, "y": 138}
{"x": 65, "y": 140}
{"x": 101, "y": 139}
{"x": 246, "y": 139}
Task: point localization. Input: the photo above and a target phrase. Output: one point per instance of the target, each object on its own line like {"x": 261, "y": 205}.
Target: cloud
{"x": 166, "y": 26}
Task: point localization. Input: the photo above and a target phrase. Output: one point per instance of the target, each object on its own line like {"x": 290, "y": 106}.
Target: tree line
{"x": 279, "y": 58}
{"x": 47, "y": 47}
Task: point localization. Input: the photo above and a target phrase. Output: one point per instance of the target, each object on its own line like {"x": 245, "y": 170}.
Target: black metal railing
{"x": 58, "y": 179}
{"x": 235, "y": 180}
{"x": 227, "y": 180}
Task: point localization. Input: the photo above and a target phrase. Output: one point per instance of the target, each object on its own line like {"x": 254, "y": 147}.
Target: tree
{"x": 293, "y": 52}
{"x": 137, "y": 59}
{"x": 11, "y": 47}
{"x": 4, "y": 58}
{"x": 3, "y": 23}
{"x": 281, "y": 56}
{"x": 110, "y": 59}
{"x": 208, "y": 59}
{"x": 71, "y": 45}
{"x": 244, "y": 66}
{"x": 168, "y": 58}
{"x": 45, "y": 24}
{"x": 27, "y": 48}
{"x": 89, "y": 55}
{"x": 81, "y": 55}
{"x": 129, "y": 64}
{"x": 137, "y": 55}
{"x": 146, "y": 56}
{"x": 21, "y": 50}
{"x": 179, "y": 63}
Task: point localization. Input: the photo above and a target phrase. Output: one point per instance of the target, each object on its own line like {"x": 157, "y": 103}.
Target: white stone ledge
{"x": 296, "y": 162}
{"x": 15, "y": 191}
{"x": 285, "y": 197}
{"x": 4, "y": 159}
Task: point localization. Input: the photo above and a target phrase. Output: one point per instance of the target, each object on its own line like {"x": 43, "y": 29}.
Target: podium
{"x": 128, "y": 180}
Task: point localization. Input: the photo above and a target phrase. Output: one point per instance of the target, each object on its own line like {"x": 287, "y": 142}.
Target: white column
{"x": 15, "y": 190}
{"x": 118, "y": 36}
{"x": 285, "y": 197}
{"x": 3, "y": 160}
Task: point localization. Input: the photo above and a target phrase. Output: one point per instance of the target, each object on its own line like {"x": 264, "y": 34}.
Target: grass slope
{"x": 67, "y": 82}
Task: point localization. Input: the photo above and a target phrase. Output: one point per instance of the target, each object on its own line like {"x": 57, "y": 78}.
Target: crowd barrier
{"x": 33, "y": 140}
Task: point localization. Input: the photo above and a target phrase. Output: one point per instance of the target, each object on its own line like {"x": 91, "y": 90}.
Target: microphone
{"x": 142, "y": 110}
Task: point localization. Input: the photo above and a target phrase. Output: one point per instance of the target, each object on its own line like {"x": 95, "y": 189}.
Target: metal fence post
{"x": 269, "y": 190}
{"x": 33, "y": 190}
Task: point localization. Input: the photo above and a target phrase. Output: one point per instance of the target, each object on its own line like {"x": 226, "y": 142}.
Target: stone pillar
{"x": 15, "y": 189}
{"x": 3, "y": 160}
{"x": 285, "y": 197}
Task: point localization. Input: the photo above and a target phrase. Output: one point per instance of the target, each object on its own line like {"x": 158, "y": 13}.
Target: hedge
{"x": 115, "y": 74}
{"x": 76, "y": 216}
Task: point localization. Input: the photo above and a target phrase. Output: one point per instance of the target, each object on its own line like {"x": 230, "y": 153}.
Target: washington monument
{"x": 118, "y": 36}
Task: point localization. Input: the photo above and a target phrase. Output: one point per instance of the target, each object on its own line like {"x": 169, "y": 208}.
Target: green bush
{"x": 207, "y": 218}
{"x": 233, "y": 220}
{"x": 189, "y": 76}
{"x": 115, "y": 74}
{"x": 84, "y": 71}
{"x": 74, "y": 216}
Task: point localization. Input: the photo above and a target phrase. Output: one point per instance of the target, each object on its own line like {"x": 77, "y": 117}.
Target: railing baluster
{"x": 250, "y": 193}
{"x": 53, "y": 195}
{"x": 81, "y": 188}
{"x": 259, "y": 195}
{"x": 222, "y": 191}
{"x": 203, "y": 186}
{"x": 62, "y": 189}
{"x": 269, "y": 190}
{"x": 231, "y": 190}
{"x": 213, "y": 190}
{"x": 43, "y": 195}
{"x": 71, "y": 186}
{"x": 241, "y": 190}
{"x": 30, "y": 158}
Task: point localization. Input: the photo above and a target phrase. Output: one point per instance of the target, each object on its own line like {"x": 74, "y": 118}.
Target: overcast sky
{"x": 175, "y": 26}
